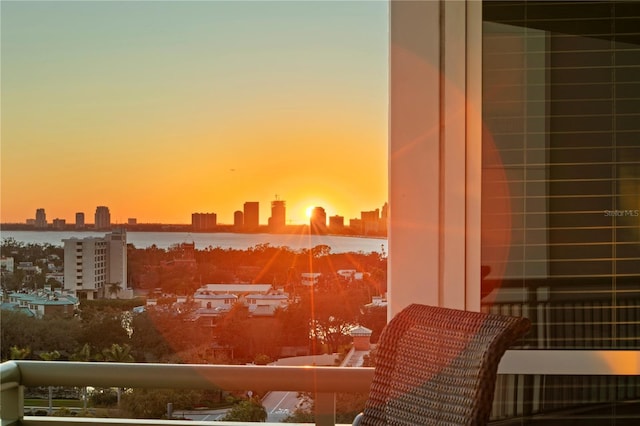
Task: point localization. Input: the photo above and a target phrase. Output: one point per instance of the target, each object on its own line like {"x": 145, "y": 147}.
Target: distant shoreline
{"x": 160, "y": 227}
{"x": 205, "y": 240}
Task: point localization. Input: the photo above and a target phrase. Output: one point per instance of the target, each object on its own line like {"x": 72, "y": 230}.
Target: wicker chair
{"x": 437, "y": 366}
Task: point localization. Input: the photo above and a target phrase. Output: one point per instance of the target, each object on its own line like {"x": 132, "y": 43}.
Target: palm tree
{"x": 118, "y": 353}
{"x": 114, "y": 288}
{"x": 50, "y": 356}
{"x": 19, "y": 353}
{"x": 83, "y": 354}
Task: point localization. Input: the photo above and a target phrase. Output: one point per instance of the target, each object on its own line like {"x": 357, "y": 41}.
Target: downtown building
{"x": 94, "y": 267}
{"x": 79, "y": 220}
{"x": 102, "y": 218}
{"x": 370, "y": 222}
{"x": 278, "y": 219}
{"x": 59, "y": 223}
{"x": 318, "y": 221}
{"x": 41, "y": 219}
{"x": 204, "y": 221}
{"x": 336, "y": 224}
{"x": 251, "y": 216}
{"x": 238, "y": 220}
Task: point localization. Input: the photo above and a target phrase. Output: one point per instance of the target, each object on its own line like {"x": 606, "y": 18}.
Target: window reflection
{"x": 561, "y": 186}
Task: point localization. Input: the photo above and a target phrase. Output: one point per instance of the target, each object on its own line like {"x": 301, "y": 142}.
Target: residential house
{"x": 7, "y": 264}
{"x": 310, "y": 278}
{"x": 266, "y": 304}
{"x": 42, "y": 303}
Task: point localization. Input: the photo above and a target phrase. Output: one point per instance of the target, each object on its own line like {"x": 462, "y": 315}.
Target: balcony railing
{"x": 324, "y": 382}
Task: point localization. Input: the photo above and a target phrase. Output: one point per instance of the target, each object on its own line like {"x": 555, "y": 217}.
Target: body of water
{"x": 338, "y": 244}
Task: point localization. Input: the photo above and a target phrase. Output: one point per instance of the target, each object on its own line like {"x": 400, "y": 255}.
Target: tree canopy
{"x": 317, "y": 318}
{"x": 248, "y": 410}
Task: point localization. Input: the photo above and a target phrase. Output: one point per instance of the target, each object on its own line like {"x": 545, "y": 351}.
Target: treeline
{"x": 84, "y": 337}
{"x": 316, "y": 323}
{"x": 179, "y": 270}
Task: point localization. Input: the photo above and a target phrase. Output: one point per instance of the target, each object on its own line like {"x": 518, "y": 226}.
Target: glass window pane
{"x": 561, "y": 183}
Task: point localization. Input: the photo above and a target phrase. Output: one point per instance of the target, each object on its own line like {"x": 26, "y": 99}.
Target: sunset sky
{"x": 158, "y": 109}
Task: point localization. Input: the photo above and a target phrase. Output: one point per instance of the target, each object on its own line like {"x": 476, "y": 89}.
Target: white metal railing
{"x": 324, "y": 382}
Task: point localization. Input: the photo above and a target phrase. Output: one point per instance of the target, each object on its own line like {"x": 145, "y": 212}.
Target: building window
{"x": 561, "y": 184}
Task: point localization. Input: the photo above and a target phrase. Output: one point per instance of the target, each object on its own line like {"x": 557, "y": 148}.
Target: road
{"x": 280, "y": 405}
{"x": 201, "y": 415}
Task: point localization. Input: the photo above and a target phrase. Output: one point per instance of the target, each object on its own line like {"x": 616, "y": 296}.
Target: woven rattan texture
{"x": 437, "y": 366}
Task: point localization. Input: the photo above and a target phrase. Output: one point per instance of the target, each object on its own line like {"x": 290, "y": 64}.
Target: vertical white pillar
{"x": 414, "y": 153}
{"x": 473, "y": 153}
{"x": 452, "y": 162}
{"x": 434, "y": 154}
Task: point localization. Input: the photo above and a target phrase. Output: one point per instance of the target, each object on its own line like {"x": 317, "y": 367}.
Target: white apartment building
{"x": 91, "y": 264}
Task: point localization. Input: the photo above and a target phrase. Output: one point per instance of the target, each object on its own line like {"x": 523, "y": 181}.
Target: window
{"x": 561, "y": 184}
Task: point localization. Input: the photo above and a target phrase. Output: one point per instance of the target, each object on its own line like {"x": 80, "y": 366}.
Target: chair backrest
{"x": 438, "y": 366}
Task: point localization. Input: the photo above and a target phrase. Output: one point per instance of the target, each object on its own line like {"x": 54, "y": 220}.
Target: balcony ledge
{"x": 74, "y": 421}
{"x": 324, "y": 382}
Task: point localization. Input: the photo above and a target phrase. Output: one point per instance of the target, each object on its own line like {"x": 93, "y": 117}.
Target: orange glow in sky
{"x": 309, "y": 211}
{"x": 162, "y": 109}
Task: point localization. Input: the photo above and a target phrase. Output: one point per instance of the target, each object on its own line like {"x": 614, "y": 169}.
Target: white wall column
{"x": 434, "y": 154}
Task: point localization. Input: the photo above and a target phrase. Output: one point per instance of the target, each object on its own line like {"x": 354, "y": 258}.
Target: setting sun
{"x": 309, "y": 211}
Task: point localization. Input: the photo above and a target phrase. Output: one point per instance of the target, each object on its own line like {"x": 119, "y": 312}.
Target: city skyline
{"x": 161, "y": 109}
{"x": 42, "y": 219}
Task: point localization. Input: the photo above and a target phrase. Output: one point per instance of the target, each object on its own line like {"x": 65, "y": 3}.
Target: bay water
{"x": 224, "y": 240}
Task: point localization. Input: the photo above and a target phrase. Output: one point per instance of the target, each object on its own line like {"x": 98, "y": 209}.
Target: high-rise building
{"x": 102, "y": 218}
{"x": 251, "y": 216}
{"x": 238, "y": 219}
{"x": 204, "y": 221}
{"x": 91, "y": 264}
{"x": 116, "y": 259}
{"x": 278, "y": 219}
{"x": 79, "y": 220}
{"x": 318, "y": 221}
{"x": 59, "y": 223}
{"x": 41, "y": 218}
{"x": 384, "y": 219}
{"x": 355, "y": 225}
{"x": 336, "y": 224}
{"x": 370, "y": 222}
